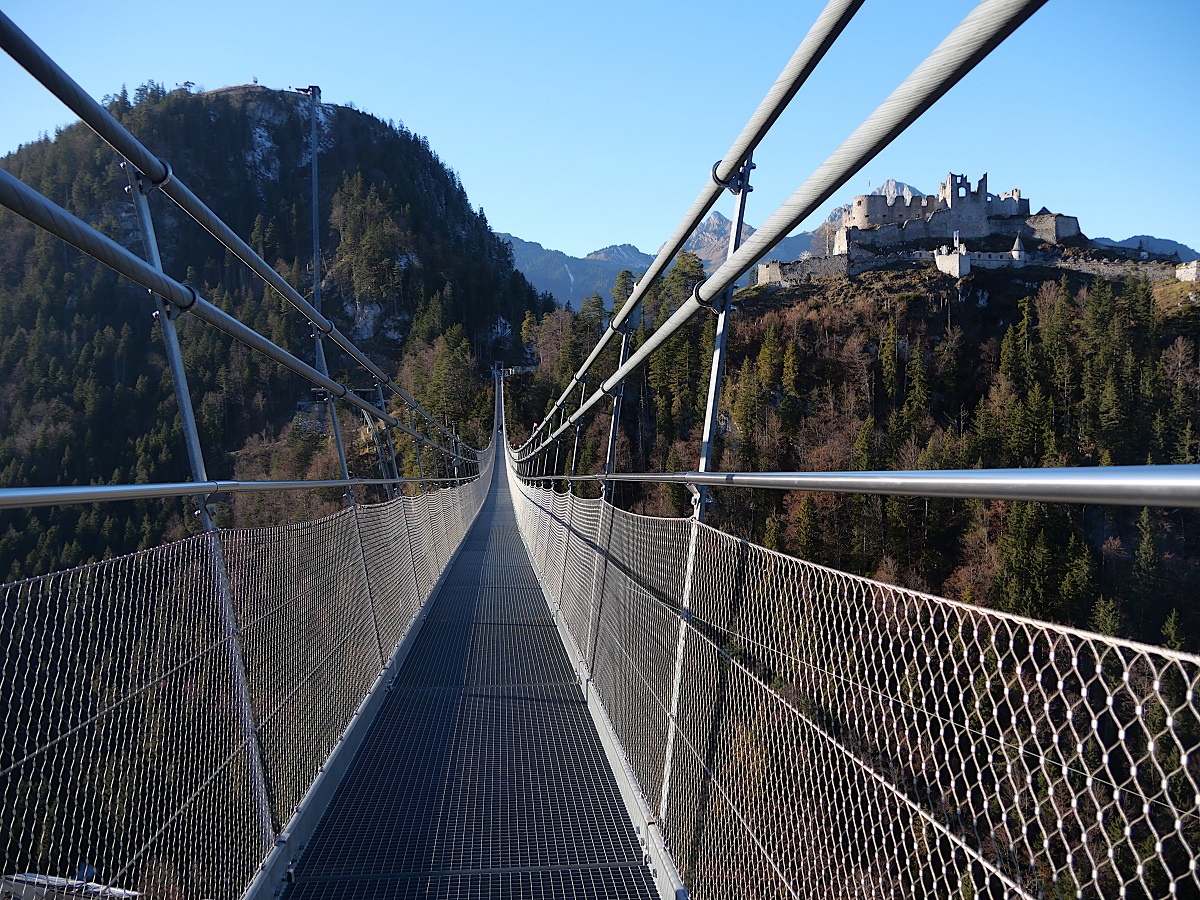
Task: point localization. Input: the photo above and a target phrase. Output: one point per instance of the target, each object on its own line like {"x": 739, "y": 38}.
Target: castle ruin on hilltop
{"x": 876, "y": 222}
{"x": 877, "y": 230}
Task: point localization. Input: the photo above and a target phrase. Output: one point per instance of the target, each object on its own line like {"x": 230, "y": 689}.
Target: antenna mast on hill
{"x": 314, "y": 92}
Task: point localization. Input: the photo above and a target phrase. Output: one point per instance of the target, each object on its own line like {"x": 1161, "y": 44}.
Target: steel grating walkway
{"x": 483, "y": 775}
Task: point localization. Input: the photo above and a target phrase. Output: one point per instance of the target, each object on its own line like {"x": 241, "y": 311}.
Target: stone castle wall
{"x": 970, "y": 225}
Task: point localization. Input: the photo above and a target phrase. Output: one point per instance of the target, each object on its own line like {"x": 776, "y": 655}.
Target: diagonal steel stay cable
{"x": 34, "y": 60}
{"x": 855, "y": 760}
{"x": 184, "y": 807}
{"x": 984, "y": 28}
{"x": 824, "y": 32}
{"x": 961, "y": 727}
{"x": 133, "y": 694}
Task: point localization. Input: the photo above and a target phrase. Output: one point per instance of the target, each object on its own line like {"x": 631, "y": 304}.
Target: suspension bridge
{"x": 490, "y": 686}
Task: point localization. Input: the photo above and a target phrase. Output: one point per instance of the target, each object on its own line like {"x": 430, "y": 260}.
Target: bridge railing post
{"x": 412, "y": 422}
{"x": 599, "y": 583}
{"x": 139, "y": 189}
{"x": 366, "y": 575}
{"x": 613, "y": 426}
{"x": 391, "y": 447}
{"x": 739, "y": 185}
{"x": 314, "y": 93}
{"x": 578, "y": 425}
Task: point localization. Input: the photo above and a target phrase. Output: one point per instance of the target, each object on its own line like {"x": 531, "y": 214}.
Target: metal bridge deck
{"x": 483, "y": 775}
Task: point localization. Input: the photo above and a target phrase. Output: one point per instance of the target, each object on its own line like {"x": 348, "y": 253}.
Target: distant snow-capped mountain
{"x": 711, "y": 240}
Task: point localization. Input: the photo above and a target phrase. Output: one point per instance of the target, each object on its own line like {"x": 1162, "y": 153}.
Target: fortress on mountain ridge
{"x": 876, "y": 222}
{"x": 876, "y": 230}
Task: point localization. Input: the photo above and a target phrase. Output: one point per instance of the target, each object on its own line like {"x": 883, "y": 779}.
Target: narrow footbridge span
{"x": 484, "y": 684}
{"x": 483, "y": 774}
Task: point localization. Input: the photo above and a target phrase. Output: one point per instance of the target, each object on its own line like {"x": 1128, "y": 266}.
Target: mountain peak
{"x": 626, "y": 254}
{"x": 710, "y": 242}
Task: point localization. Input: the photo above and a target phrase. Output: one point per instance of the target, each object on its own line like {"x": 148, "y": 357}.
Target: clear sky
{"x": 582, "y": 125}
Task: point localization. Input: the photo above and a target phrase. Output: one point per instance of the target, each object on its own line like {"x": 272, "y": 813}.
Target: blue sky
{"x": 582, "y": 125}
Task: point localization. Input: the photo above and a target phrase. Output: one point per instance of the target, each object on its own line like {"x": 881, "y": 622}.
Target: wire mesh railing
{"x": 124, "y": 760}
{"x": 822, "y": 734}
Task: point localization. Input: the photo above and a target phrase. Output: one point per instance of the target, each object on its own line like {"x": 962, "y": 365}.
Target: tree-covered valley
{"x": 905, "y": 368}
{"x": 411, "y": 271}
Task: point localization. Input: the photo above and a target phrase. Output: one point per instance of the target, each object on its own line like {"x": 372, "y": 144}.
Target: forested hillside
{"x": 908, "y": 369}
{"x": 412, "y": 273}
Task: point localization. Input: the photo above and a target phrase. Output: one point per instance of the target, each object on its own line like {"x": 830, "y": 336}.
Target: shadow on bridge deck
{"x": 483, "y": 775}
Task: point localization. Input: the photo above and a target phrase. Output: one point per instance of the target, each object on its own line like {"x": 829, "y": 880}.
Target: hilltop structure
{"x": 877, "y": 223}
{"x": 877, "y": 229}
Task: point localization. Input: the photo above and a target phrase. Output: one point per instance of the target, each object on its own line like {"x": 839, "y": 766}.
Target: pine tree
{"x": 889, "y": 359}
{"x": 791, "y": 371}
{"x": 1106, "y": 617}
{"x": 807, "y": 528}
{"x": 622, "y": 289}
{"x": 1147, "y": 563}
{"x": 1172, "y": 632}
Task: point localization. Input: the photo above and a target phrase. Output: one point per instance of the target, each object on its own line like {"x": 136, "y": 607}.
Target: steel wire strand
{"x": 984, "y": 28}
{"x": 34, "y": 60}
{"x": 825, "y": 31}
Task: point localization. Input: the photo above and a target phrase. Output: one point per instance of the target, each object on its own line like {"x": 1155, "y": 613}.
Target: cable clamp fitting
{"x": 727, "y": 184}
{"x": 194, "y": 295}
{"x": 147, "y": 186}
{"x": 713, "y": 306}
{"x": 737, "y": 182}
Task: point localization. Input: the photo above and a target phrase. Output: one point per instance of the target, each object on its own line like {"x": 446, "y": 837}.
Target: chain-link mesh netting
{"x": 834, "y": 736}
{"x": 128, "y": 752}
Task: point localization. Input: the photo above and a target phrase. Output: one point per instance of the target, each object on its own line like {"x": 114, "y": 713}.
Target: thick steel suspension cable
{"x": 828, "y": 27}
{"x": 31, "y": 205}
{"x": 34, "y": 60}
{"x": 975, "y": 37}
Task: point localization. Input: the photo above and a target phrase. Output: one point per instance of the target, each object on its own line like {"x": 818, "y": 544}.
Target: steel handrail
{"x": 26, "y": 498}
{"x": 1172, "y": 486}
{"x": 984, "y": 28}
{"x": 34, "y": 60}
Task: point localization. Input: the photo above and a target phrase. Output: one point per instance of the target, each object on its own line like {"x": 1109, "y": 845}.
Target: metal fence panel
{"x": 123, "y": 757}
{"x": 308, "y": 635}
